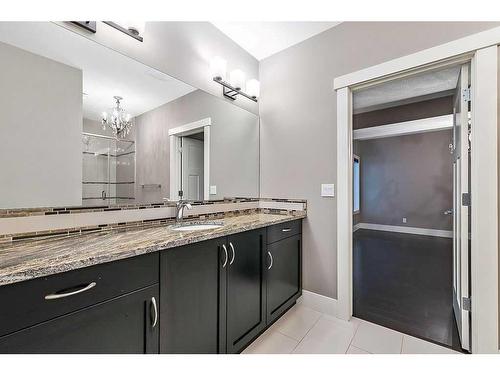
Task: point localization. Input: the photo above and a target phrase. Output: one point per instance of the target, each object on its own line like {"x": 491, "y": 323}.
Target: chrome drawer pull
{"x": 64, "y": 295}
{"x": 271, "y": 258}
{"x": 234, "y": 254}
{"x": 225, "y": 258}
{"x": 155, "y": 311}
{"x": 286, "y": 230}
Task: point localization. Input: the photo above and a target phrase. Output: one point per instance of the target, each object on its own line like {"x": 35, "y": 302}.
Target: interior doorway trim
{"x": 175, "y": 135}
{"x": 430, "y": 124}
{"x": 484, "y": 179}
{"x": 417, "y": 60}
{"x": 407, "y": 230}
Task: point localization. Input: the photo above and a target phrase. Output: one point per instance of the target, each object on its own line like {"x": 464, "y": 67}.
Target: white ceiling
{"x": 105, "y": 72}
{"x": 404, "y": 89}
{"x": 262, "y": 39}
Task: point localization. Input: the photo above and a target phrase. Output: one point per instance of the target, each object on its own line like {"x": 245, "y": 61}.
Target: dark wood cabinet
{"x": 27, "y": 303}
{"x": 246, "y": 314}
{"x": 283, "y": 268}
{"x": 193, "y": 285}
{"x": 126, "y": 324}
{"x": 212, "y": 293}
{"x": 214, "y": 296}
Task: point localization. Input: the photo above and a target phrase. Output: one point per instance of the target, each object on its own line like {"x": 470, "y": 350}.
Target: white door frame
{"x": 481, "y": 49}
{"x": 175, "y": 135}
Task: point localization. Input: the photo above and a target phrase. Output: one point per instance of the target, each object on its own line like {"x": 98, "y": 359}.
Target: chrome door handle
{"x": 271, "y": 259}
{"x": 448, "y": 212}
{"x": 64, "y": 295}
{"x": 234, "y": 253}
{"x": 155, "y": 312}
{"x": 286, "y": 229}
{"x": 225, "y": 253}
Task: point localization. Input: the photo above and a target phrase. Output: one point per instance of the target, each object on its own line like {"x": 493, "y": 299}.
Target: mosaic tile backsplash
{"x": 37, "y": 223}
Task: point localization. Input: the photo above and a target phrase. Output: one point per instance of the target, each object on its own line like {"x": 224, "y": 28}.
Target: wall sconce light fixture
{"x": 135, "y": 29}
{"x": 236, "y": 84}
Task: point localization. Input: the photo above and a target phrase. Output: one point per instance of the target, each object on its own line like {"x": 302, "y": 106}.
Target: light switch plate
{"x": 213, "y": 189}
{"x": 327, "y": 190}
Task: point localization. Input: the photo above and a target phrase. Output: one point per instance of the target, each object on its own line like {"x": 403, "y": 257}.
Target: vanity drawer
{"x": 284, "y": 230}
{"x": 27, "y": 303}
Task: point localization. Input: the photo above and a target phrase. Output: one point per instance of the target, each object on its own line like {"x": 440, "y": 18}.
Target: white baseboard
{"x": 355, "y": 227}
{"x": 409, "y": 230}
{"x": 318, "y": 302}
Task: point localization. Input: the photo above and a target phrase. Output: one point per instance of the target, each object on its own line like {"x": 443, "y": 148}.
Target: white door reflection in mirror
{"x": 190, "y": 163}
{"x": 192, "y": 167}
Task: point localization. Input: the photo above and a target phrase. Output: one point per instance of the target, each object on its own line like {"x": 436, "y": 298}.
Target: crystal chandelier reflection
{"x": 119, "y": 121}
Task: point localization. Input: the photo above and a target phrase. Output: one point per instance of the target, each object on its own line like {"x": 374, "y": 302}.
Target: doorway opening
{"x": 191, "y": 166}
{"x": 190, "y": 161}
{"x": 410, "y": 206}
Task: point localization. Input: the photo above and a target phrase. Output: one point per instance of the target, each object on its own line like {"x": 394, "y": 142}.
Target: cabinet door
{"x": 126, "y": 324}
{"x": 193, "y": 288}
{"x": 283, "y": 275}
{"x": 245, "y": 289}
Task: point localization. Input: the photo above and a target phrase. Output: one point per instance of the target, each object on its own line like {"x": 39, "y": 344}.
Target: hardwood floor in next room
{"x": 404, "y": 282}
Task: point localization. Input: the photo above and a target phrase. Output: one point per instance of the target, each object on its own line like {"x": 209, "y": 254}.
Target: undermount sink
{"x": 196, "y": 226}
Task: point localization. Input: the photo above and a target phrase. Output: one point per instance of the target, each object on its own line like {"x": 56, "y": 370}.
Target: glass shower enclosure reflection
{"x": 108, "y": 170}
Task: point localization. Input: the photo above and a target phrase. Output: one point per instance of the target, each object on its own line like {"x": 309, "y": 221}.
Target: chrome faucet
{"x": 181, "y": 205}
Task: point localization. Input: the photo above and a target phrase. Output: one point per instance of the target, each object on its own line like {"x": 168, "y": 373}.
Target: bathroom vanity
{"x": 152, "y": 290}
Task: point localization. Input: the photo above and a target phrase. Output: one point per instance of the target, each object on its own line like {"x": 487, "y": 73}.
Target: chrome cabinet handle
{"x": 234, "y": 253}
{"x": 286, "y": 229}
{"x": 271, "y": 259}
{"x": 64, "y": 295}
{"x": 448, "y": 212}
{"x": 155, "y": 312}
{"x": 225, "y": 253}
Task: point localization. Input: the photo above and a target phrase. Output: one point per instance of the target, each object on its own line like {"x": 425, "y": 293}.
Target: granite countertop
{"x": 28, "y": 260}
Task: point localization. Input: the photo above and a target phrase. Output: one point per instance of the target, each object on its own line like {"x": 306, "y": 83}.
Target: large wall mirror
{"x": 83, "y": 125}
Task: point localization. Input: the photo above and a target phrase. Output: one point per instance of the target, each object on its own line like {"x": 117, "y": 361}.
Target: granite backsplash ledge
{"x": 25, "y": 260}
{"x": 27, "y": 224}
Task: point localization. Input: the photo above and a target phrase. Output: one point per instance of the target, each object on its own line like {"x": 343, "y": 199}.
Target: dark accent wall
{"x": 407, "y": 176}
{"x": 407, "y": 112}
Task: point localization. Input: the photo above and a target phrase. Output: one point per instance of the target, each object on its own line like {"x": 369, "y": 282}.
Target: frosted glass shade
{"x": 237, "y": 78}
{"x": 253, "y": 88}
{"x": 218, "y": 68}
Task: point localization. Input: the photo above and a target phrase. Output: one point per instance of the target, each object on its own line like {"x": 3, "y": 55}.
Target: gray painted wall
{"x": 298, "y": 116}
{"x": 408, "y": 176}
{"x": 37, "y": 168}
{"x": 182, "y": 50}
{"x": 234, "y": 146}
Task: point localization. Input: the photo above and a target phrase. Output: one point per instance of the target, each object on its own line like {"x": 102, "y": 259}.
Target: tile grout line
{"x": 316, "y": 322}
{"x": 402, "y": 338}
{"x": 354, "y": 346}
{"x": 284, "y": 334}
{"x": 352, "y": 338}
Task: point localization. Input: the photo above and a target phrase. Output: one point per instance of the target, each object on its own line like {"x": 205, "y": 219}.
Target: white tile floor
{"x": 305, "y": 331}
